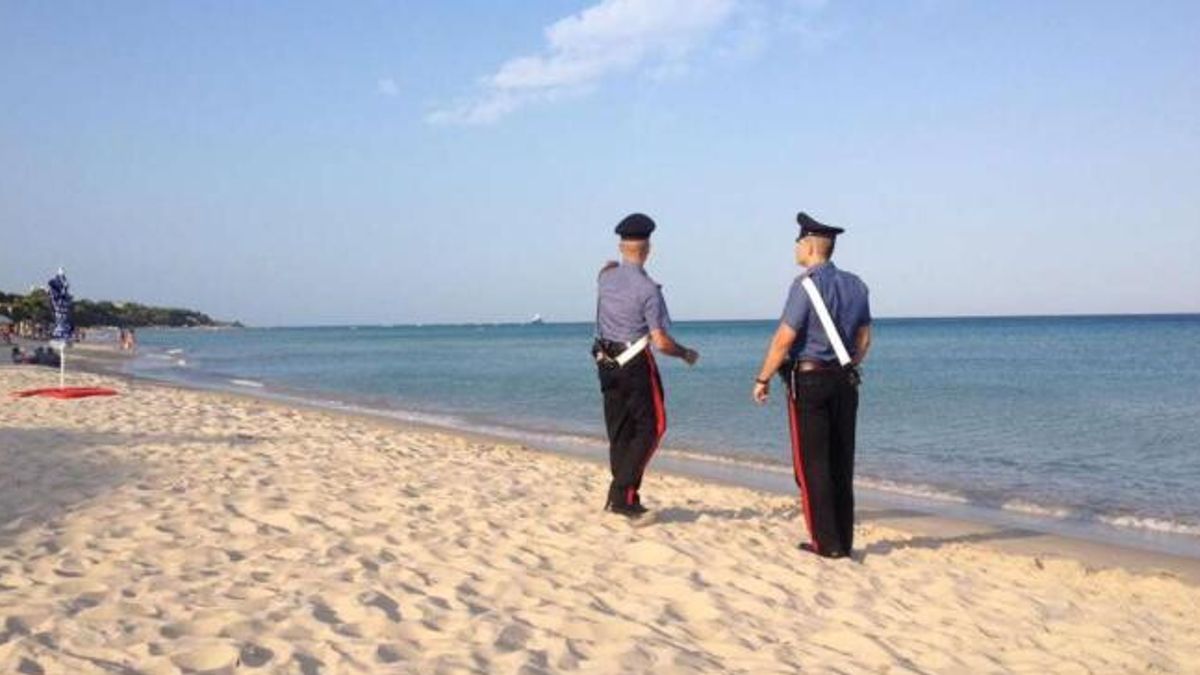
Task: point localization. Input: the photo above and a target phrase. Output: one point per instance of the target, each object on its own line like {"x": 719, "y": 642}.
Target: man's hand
{"x": 666, "y": 344}
{"x": 777, "y": 352}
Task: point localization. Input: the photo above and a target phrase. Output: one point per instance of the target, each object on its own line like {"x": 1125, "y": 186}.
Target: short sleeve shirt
{"x": 845, "y": 295}
{"x": 630, "y": 304}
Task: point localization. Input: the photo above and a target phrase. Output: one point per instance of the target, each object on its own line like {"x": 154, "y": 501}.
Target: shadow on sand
{"x": 48, "y": 471}
{"x": 676, "y": 514}
{"x": 979, "y": 533}
{"x": 932, "y": 543}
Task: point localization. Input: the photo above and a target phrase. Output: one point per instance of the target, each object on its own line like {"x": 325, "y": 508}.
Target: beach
{"x": 172, "y": 530}
{"x": 1102, "y": 447}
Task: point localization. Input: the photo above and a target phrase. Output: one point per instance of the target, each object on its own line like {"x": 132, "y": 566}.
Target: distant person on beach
{"x": 44, "y": 356}
{"x": 822, "y": 338}
{"x": 631, "y": 315}
{"x": 128, "y": 341}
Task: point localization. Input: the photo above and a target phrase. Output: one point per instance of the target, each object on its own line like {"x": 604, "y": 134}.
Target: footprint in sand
{"x": 84, "y": 602}
{"x": 388, "y": 654}
{"x": 308, "y": 664}
{"x": 383, "y": 603}
{"x": 325, "y": 614}
{"x": 512, "y": 638}
{"x": 254, "y": 656}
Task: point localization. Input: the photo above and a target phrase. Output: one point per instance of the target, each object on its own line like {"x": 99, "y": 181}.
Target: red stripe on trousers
{"x": 660, "y": 423}
{"x": 798, "y": 470}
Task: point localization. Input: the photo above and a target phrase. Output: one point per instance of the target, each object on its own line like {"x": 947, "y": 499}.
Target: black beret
{"x": 635, "y": 226}
{"x": 810, "y": 226}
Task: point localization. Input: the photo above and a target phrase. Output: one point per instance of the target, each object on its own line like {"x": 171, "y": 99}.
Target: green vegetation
{"x": 35, "y": 306}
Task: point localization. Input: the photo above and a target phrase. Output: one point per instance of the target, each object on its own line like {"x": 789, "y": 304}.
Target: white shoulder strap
{"x": 818, "y": 302}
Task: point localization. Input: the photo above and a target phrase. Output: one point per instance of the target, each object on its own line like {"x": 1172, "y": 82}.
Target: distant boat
{"x": 536, "y": 320}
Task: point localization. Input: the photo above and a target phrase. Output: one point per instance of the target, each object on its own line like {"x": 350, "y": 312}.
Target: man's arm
{"x": 777, "y": 352}
{"x": 659, "y": 320}
{"x": 862, "y": 344}
{"x": 666, "y": 344}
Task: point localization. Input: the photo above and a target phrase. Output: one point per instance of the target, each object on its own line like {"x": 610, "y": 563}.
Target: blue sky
{"x": 305, "y": 163}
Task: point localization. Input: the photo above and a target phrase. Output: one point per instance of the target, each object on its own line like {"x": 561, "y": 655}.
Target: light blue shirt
{"x": 630, "y": 304}
{"x": 845, "y": 295}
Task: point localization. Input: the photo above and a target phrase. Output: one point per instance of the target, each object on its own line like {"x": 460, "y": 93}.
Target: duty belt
{"x": 791, "y": 369}
{"x": 625, "y": 351}
{"x": 809, "y": 365}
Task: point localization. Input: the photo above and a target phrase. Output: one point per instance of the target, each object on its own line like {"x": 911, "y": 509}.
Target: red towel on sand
{"x": 66, "y": 392}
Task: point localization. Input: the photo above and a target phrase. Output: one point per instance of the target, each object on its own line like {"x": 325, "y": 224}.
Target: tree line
{"x": 35, "y": 307}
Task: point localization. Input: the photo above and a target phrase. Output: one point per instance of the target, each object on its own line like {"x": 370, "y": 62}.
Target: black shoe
{"x": 809, "y": 548}
{"x": 628, "y": 510}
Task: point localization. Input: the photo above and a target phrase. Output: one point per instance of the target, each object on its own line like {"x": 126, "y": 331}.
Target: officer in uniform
{"x": 822, "y": 390}
{"x": 631, "y": 316}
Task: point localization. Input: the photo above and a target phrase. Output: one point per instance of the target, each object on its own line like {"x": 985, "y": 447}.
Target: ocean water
{"x": 1074, "y": 419}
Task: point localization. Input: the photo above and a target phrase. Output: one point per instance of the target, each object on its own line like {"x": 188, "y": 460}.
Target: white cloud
{"x": 611, "y": 37}
{"x": 386, "y": 86}
{"x": 653, "y": 38}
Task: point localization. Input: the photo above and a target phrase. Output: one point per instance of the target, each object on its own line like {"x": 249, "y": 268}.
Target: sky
{"x": 413, "y": 162}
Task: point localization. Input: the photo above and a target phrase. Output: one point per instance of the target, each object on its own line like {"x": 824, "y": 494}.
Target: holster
{"x": 601, "y": 356}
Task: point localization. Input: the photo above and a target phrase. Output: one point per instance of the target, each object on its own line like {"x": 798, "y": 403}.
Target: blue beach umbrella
{"x": 61, "y": 304}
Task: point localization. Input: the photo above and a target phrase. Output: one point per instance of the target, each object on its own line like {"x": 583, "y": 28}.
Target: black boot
{"x": 617, "y": 504}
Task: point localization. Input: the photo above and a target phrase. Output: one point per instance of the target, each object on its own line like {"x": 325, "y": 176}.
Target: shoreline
{"x": 935, "y": 523}
{"x": 168, "y": 530}
{"x": 771, "y": 478}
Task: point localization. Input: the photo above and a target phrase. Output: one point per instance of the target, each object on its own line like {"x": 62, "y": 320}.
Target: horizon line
{"x": 946, "y": 317}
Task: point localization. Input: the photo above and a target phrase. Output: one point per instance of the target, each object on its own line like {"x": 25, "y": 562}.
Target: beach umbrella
{"x": 61, "y": 304}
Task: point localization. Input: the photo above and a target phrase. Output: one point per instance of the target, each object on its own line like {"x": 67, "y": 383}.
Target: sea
{"x": 1082, "y": 425}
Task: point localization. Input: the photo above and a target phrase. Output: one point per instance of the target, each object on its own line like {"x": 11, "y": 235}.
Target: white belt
{"x": 831, "y": 332}
{"x": 632, "y": 350}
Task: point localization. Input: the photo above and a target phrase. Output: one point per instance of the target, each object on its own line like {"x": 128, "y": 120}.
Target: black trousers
{"x": 822, "y": 413}
{"x": 635, "y": 415}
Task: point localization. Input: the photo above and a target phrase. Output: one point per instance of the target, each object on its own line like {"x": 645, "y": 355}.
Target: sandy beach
{"x": 168, "y": 530}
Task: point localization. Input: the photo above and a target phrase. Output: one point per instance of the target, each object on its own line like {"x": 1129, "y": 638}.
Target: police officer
{"x": 822, "y": 385}
{"x": 631, "y": 316}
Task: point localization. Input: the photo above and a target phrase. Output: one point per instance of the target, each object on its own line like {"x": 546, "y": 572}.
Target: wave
{"x": 247, "y": 383}
{"x": 1035, "y": 509}
{"x": 1152, "y": 524}
{"x": 917, "y": 490}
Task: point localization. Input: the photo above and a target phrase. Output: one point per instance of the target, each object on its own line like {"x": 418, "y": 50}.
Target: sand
{"x": 169, "y": 530}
